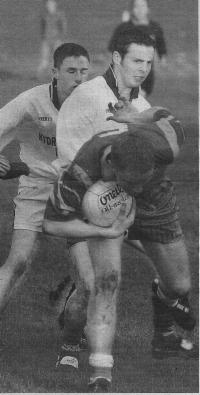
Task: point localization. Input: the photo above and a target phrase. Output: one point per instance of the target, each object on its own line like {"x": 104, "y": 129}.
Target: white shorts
{"x": 30, "y": 204}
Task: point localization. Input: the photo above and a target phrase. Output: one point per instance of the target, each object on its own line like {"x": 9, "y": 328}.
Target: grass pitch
{"x": 29, "y": 328}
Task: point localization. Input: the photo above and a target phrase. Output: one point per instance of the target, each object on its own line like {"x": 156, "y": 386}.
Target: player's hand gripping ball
{"x": 102, "y": 201}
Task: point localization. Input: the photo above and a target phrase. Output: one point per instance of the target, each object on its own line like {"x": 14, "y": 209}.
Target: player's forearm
{"x": 75, "y": 228}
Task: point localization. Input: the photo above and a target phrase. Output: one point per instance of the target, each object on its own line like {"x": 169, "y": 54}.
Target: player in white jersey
{"x": 31, "y": 119}
{"x": 81, "y": 117}
{"x": 85, "y": 113}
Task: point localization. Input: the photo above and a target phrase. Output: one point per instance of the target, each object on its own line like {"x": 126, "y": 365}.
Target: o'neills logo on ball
{"x": 112, "y": 198}
{"x": 110, "y": 195}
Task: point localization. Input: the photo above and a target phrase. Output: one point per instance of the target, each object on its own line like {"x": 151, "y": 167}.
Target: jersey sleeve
{"x": 12, "y": 115}
{"x": 75, "y": 124}
{"x": 65, "y": 200}
{"x": 164, "y": 131}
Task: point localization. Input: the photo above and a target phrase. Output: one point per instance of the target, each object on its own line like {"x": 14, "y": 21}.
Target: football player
{"x": 137, "y": 160}
{"x": 85, "y": 114}
{"x": 31, "y": 119}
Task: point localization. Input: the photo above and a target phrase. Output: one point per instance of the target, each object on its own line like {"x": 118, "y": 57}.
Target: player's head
{"x": 133, "y": 161}
{"x": 51, "y": 6}
{"x": 71, "y": 67}
{"x": 132, "y": 57}
{"x": 139, "y": 10}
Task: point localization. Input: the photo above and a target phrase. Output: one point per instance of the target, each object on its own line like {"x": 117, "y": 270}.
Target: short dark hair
{"x": 133, "y": 152}
{"x": 67, "y": 50}
{"x": 133, "y": 35}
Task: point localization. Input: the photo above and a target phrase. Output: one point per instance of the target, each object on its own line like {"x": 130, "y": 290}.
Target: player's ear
{"x": 54, "y": 72}
{"x": 108, "y": 159}
{"x": 116, "y": 58}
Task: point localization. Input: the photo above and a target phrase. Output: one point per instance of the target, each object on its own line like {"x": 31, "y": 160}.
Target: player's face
{"x": 132, "y": 183}
{"x": 72, "y": 72}
{"x": 135, "y": 66}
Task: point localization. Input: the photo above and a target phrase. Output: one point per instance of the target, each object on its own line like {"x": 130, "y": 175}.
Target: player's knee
{"x": 108, "y": 282}
{"x": 181, "y": 287}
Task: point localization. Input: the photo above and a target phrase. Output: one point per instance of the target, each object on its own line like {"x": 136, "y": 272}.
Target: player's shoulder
{"x": 36, "y": 92}
{"x": 86, "y": 92}
{"x": 91, "y": 86}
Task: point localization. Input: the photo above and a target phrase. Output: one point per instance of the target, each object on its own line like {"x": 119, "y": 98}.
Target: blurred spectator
{"x": 139, "y": 15}
{"x": 53, "y": 33}
{"x": 125, "y": 16}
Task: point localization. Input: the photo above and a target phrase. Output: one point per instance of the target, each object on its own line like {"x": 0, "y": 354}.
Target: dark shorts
{"x": 157, "y": 217}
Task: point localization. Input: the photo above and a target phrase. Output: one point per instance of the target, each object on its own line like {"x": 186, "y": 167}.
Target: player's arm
{"x": 169, "y": 127}
{"x": 10, "y": 170}
{"x": 4, "y": 166}
{"x": 81, "y": 230}
{"x": 124, "y": 112}
{"x": 12, "y": 115}
{"x": 71, "y": 226}
{"x": 16, "y": 169}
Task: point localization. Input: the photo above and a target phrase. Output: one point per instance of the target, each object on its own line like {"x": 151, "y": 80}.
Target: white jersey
{"x": 31, "y": 119}
{"x": 85, "y": 113}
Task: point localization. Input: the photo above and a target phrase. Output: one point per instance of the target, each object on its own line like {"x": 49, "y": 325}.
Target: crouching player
{"x": 157, "y": 226}
{"x": 101, "y": 157}
{"x": 137, "y": 160}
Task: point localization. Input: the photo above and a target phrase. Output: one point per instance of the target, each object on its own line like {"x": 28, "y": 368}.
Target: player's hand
{"x": 122, "y": 222}
{"x": 123, "y": 111}
{"x": 4, "y": 165}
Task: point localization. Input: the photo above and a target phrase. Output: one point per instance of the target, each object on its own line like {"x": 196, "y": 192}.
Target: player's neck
{"x": 123, "y": 90}
{"x": 61, "y": 96}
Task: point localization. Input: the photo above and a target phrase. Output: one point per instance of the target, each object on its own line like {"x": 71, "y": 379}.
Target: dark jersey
{"x": 165, "y": 135}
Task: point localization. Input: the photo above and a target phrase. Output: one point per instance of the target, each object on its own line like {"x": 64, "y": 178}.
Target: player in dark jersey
{"x": 137, "y": 160}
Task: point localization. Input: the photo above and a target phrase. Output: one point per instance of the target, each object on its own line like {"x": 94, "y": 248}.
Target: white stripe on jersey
{"x": 169, "y": 134}
{"x": 110, "y": 132}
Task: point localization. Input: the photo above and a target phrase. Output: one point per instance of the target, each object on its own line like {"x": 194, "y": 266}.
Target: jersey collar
{"x": 54, "y": 94}
{"x": 111, "y": 80}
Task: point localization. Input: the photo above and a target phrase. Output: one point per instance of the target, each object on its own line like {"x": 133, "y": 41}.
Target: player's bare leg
{"x": 170, "y": 295}
{"x": 13, "y": 269}
{"x": 101, "y": 316}
{"x": 75, "y": 311}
